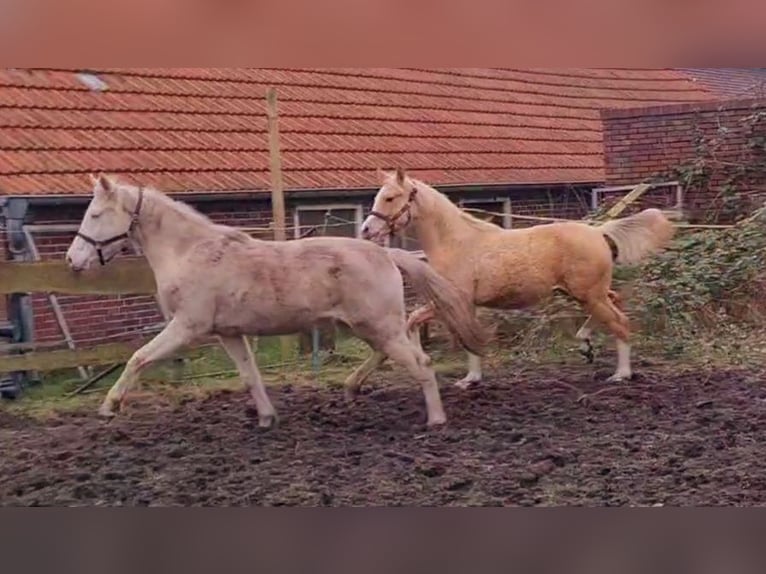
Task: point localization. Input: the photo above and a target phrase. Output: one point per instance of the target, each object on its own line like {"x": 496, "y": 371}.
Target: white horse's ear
{"x": 400, "y": 175}
{"x": 103, "y": 184}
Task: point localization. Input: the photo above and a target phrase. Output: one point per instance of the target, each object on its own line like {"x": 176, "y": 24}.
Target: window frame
{"x": 504, "y": 201}
{"x": 355, "y": 207}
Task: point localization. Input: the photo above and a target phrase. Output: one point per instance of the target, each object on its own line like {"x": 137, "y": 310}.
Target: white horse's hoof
{"x": 106, "y": 410}
{"x": 268, "y": 421}
{"x": 619, "y": 378}
{"x": 350, "y": 393}
{"x": 437, "y": 422}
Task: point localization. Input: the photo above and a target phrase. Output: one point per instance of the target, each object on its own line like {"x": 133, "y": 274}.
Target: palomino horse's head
{"x": 394, "y": 207}
{"x": 107, "y": 226}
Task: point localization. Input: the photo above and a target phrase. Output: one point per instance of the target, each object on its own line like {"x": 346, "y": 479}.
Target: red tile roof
{"x": 730, "y": 82}
{"x": 204, "y": 129}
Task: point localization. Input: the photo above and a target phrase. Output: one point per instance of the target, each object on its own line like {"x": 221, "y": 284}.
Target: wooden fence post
{"x": 277, "y": 189}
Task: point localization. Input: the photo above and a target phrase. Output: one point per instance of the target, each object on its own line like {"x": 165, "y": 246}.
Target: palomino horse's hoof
{"x": 437, "y": 422}
{"x": 616, "y": 378}
{"x": 587, "y": 351}
{"x": 467, "y": 382}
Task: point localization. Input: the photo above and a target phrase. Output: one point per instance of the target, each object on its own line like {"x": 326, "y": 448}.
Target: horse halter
{"x": 391, "y": 220}
{"x": 100, "y": 244}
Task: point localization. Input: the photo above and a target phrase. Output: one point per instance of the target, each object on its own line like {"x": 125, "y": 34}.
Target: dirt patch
{"x": 689, "y": 439}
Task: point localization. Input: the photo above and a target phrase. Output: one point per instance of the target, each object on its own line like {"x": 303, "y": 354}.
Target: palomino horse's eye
{"x": 389, "y": 199}
{"x": 95, "y": 215}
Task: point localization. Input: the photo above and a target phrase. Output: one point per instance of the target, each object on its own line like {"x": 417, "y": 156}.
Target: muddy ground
{"x": 687, "y": 439}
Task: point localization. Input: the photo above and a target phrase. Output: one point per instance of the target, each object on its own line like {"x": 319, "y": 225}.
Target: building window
{"x": 343, "y": 220}
{"x": 664, "y": 195}
{"x": 497, "y": 211}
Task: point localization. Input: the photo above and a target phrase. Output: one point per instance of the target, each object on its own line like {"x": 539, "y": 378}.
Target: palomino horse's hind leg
{"x": 405, "y": 353}
{"x": 607, "y": 313}
{"x": 239, "y": 351}
{"x": 170, "y": 339}
{"x": 474, "y": 372}
{"x": 584, "y": 333}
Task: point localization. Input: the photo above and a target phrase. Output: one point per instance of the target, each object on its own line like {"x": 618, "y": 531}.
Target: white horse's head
{"x": 394, "y": 207}
{"x": 106, "y": 227}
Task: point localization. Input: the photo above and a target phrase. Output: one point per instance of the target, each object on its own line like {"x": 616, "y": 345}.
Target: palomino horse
{"x": 505, "y": 269}
{"x": 216, "y": 280}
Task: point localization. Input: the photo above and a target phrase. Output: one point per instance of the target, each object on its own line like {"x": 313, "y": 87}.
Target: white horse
{"x": 215, "y": 280}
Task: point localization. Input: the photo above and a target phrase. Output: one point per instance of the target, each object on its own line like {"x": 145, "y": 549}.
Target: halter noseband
{"x": 391, "y": 220}
{"x": 100, "y": 244}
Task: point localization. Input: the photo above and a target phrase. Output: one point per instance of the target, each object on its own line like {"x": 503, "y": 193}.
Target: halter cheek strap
{"x": 99, "y": 245}
{"x": 393, "y": 219}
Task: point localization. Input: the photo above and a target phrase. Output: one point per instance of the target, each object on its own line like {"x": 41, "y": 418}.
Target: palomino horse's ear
{"x": 400, "y": 175}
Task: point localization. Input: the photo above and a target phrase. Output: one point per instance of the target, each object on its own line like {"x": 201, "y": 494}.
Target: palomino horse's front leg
{"x": 416, "y": 319}
{"x": 169, "y": 340}
{"x": 238, "y": 349}
{"x": 426, "y": 313}
{"x": 355, "y": 380}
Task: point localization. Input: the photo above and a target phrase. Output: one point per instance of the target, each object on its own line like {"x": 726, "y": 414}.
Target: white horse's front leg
{"x": 474, "y": 372}
{"x": 239, "y": 351}
{"x": 168, "y": 341}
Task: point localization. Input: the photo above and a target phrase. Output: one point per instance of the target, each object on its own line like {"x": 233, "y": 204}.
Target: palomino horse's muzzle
{"x": 392, "y": 221}
{"x": 100, "y": 244}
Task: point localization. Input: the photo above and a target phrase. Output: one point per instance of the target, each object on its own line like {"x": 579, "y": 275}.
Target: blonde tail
{"x": 639, "y": 235}
{"x": 451, "y": 305}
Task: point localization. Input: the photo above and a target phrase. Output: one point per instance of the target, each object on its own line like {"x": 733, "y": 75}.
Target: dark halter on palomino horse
{"x": 391, "y": 221}
{"x": 103, "y": 243}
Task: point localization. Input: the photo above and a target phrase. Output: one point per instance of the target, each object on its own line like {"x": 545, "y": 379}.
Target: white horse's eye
{"x": 95, "y": 215}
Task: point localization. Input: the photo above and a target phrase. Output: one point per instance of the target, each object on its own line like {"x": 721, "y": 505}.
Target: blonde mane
{"x": 448, "y": 206}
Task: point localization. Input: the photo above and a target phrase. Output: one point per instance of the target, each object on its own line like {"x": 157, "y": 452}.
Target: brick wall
{"x": 652, "y": 144}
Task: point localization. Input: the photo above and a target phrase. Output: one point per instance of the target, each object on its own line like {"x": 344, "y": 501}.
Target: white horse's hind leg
{"x": 169, "y": 340}
{"x": 239, "y": 351}
{"x": 355, "y": 380}
{"x": 403, "y": 352}
{"x": 474, "y": 372}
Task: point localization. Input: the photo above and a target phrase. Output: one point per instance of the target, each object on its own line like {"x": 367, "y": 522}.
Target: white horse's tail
{"x": 452, "y": 306}
{"x": 639, "y": 235}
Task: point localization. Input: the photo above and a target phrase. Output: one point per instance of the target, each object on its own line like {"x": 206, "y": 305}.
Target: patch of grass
{"x": 202, "y": 371}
